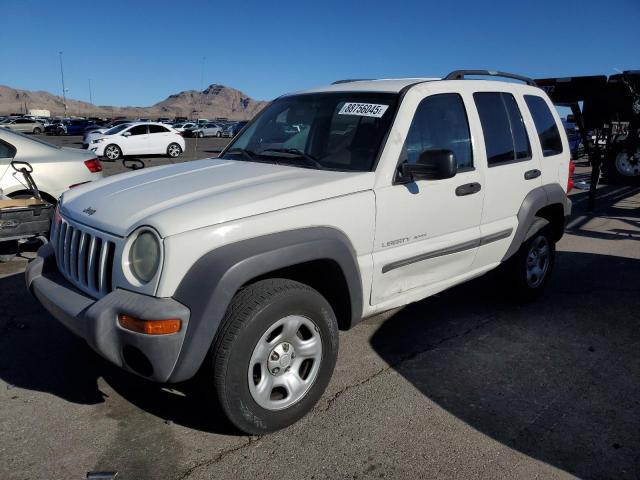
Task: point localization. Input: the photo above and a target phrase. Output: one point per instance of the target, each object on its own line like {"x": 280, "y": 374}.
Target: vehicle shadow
{"x": 38, "y": 353}
{"x": 557, "y": 379}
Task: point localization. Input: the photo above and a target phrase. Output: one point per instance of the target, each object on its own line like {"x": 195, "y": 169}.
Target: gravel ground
{"x": 466, "y": 384}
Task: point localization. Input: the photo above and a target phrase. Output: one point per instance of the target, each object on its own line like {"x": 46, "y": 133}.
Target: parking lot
{"x": 466, "y": 384}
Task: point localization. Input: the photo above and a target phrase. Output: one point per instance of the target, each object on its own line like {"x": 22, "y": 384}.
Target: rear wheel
{"x": 112, "y": 152}
{"x": 37, "y": 131}
{"x": 174, "y": 150}
{"x": 219, "y": 134}
{"x": 274, "y": 354}
{"x": 622, "y": 167}
{"x": 528, "y": 271}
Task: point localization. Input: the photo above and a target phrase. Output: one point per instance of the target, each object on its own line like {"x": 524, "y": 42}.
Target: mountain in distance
{"x": 216, "y": 101}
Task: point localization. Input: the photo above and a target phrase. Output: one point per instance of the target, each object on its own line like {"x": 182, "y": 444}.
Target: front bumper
{"x": 96, "y": 320}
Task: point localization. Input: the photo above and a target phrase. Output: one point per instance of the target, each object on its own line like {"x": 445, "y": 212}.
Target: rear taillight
{"x": 572, "y": 169}
{"x": 93, "y": 165}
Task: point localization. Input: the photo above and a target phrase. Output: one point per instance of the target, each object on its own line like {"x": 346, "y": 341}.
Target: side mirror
{"x": 126, "y": 134}
{"x": 431, "y": 165}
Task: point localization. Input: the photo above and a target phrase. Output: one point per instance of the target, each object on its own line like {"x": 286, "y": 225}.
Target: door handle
{"x": 468, "y": 189}
{"x": 531, "y": 174}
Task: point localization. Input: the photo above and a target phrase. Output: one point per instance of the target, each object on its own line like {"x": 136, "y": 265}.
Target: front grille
{"x": 85, "y": 259}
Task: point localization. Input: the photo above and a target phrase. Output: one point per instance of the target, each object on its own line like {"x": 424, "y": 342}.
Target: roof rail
{"x": 349, "y": 80}
{"x": 460, "y": 74}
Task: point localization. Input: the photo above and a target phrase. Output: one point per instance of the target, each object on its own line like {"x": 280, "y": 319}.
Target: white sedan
{"x": 140, "y": 138}
{"x": 55, "y": 169}
{"x": 181, "y": 127}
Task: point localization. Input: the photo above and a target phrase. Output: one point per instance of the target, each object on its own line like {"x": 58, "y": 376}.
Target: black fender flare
{"x": 528, "y": 222}
{"x": 213, "y": 280}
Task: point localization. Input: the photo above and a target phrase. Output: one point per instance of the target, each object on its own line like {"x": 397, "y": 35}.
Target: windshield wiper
{"x": 299, "y": 153}
{"x": 248, "y": 154}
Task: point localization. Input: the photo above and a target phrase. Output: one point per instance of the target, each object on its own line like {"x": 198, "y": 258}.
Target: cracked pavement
{"x": 466, "y": 384}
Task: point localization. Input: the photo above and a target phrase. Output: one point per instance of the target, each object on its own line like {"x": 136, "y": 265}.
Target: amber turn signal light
{"x": 150, "y": 327}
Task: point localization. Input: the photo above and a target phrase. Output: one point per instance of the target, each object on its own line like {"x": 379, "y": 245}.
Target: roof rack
{"x": 460, "y": 74}
{"x": 349, "y": 80}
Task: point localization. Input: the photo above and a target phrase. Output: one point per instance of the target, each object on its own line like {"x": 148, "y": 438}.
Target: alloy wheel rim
{"x": 112, "y": 153}
{"x": 285, "y": 362}
{"x": 174, "y": 151}
{"x": 538, "y": 259}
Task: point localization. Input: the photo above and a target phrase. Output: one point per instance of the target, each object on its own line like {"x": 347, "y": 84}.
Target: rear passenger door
{"x": 513, "y": 169}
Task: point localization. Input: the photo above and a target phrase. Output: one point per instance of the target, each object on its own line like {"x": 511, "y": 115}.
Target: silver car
{"x": 207, "y": 130}
{"x": 55, "y": 169}
{"x": 24, "y": 125}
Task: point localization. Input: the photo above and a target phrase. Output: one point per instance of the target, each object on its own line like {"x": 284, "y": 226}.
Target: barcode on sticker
{"x": 363, "y": 109}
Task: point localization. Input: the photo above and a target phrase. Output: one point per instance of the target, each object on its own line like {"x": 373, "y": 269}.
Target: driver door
{"x": 428, "y": 231}
{"x": 137, "y": 142}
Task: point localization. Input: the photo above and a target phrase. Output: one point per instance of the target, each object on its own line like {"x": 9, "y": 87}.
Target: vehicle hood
{"x": 186, "y": 196}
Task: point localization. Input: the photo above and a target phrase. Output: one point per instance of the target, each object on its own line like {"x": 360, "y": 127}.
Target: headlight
{"x": 97, "y": 140}
{"x": 144, "y": 256}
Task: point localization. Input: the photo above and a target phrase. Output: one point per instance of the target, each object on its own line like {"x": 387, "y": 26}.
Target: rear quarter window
{"x": 546, "y": 126}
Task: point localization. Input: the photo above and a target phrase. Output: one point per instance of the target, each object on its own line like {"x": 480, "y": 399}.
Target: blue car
{"x": 72, "y": 127}
{"x": 573, "y": 135}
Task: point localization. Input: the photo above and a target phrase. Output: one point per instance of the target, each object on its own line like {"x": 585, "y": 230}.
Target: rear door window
{"x": 157, "y": 129}
{"x": 546, "y": 126}
{"x": 505, "y": 135}
{"x": 7, "y": 150}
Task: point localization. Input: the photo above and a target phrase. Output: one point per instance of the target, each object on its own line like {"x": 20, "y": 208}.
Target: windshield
{"x": 329, "y": 131}
{"x": 118, "y": 129}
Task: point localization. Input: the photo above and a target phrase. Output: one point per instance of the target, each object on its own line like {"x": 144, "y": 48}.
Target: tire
{"x": 527, "y": 272}
{"x": 174, "y": 150}
{"x": 59, "y": 131}
{"x": 112, "y": 152}
{"x": 219, "y": 134}
{"x": 37, "y": 131}
{"x": 618, "y": 168}
{"x": 200, "y": 135}
{"x": 259, "y": 382}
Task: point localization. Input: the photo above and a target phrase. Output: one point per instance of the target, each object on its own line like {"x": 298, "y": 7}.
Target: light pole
{"x": 90, "y": 94}
{"x": 64, "y": 91}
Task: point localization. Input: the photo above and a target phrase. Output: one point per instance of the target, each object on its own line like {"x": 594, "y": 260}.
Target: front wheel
{"x": 529, "y": 269}
{"x": 112, "y": 152}
{"x": 37, "y": 131}
{"x": 274, "y": 355}
{"x": 219, "y": 134}
{"x": 200, "y": 135}
{"x": 174, "y": 150}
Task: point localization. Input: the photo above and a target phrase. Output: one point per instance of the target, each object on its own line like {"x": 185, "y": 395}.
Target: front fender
{"x": 213, "y": 280}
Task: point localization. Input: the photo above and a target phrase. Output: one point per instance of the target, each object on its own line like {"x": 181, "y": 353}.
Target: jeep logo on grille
{"x": 89, "y": 211}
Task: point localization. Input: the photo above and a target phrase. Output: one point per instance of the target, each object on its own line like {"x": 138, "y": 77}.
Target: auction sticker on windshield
{"x": 363, "y": 109}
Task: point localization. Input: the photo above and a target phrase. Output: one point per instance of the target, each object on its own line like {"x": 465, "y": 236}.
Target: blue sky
{"x": 139, "y": 52}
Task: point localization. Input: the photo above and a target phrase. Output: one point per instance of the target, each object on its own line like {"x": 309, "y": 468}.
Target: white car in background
{"x": 181, "y": 127}
{"x": 139, "y": 138}
{"x": 93, "y": 134}
{"x": 55, "y": 169}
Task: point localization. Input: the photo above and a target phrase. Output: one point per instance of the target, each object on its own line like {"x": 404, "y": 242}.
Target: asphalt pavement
{"x": 466, "y": 384}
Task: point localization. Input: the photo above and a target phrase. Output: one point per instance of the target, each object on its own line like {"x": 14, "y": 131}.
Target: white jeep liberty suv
{"x": 332, "y": 205}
